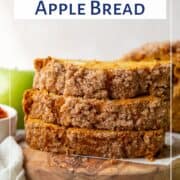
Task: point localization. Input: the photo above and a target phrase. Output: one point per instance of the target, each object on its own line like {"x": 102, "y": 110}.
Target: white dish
{"x": 8, "y": 124}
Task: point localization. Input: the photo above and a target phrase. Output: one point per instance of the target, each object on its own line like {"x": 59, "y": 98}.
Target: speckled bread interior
{"x": 100, "y": 143}
{"x": 117, "y": 109}
{"x": 143, "y": 113}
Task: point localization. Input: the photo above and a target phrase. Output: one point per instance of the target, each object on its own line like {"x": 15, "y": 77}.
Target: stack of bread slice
{"x": 116, "y": 109}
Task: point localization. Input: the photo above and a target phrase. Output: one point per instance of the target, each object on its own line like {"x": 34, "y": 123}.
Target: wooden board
{"x": 46, "y": 166}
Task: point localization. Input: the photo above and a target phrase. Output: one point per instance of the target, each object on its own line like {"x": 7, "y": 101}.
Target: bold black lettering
{"x": 117, "y": 9}
{"x": 71, "y": 12}
{"x": 139, "y": 9}
{"x": 81, "y": 9}
{"x": 106, "y": 9}
{"x": 127, "y": 9}
{"x": 41, "y": 8}
{"x": 52, "y": 7}
{"x": 62, "y": 7}
{"x": 95, "y": 9}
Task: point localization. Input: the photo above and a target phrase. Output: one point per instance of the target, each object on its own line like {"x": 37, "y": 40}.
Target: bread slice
{"x": 144, "y": 113}
{"x": 100, "y": 143}
{"x": 102, "y": 80}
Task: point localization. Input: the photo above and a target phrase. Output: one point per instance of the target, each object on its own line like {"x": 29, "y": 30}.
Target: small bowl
{"x": 8, "y": 124}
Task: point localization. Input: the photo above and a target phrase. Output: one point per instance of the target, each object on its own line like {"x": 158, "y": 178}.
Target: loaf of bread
{"x": 99, "y": 143}
{"x": 158, "y": 51}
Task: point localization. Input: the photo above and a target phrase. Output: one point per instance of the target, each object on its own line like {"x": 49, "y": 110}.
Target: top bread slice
{"x": 102, "y": 80}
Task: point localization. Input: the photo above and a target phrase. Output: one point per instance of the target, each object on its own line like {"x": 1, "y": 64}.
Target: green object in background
{"x": 13, "y": 83}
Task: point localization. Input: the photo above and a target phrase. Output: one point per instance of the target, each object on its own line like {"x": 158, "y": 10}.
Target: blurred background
{"x": 24, "y": 40}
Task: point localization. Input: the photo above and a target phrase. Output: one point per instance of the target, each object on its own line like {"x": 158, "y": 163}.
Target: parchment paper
{"x": 168, "y": 154}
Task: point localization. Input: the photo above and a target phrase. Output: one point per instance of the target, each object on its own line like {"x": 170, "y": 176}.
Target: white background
{"x": 23, "y": 40}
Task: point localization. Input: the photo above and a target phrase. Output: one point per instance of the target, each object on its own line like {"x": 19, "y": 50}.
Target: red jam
{"x": 3, "y": 114}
